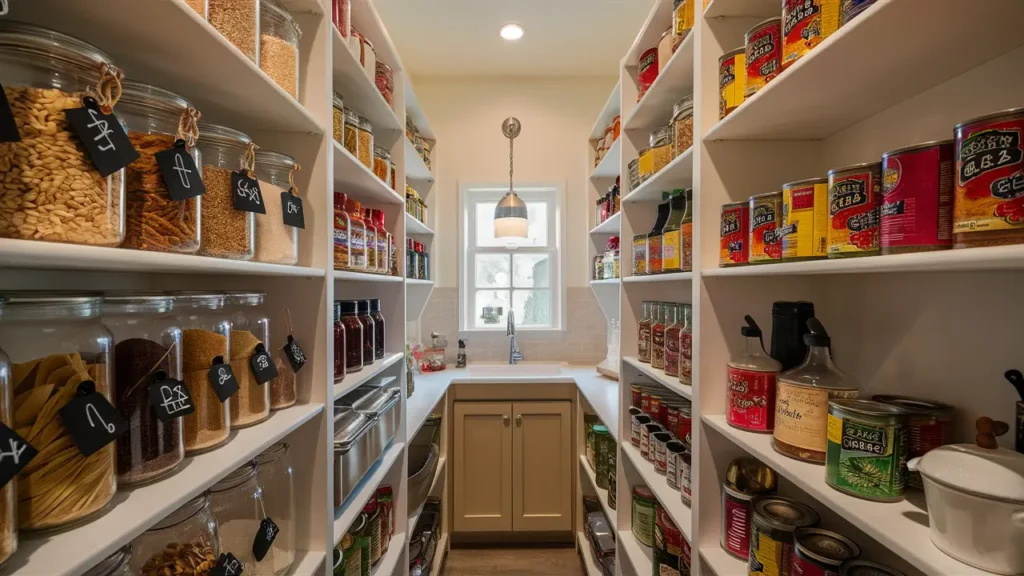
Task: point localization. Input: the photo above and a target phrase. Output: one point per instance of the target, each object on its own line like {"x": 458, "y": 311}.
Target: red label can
{"x": 765, "y": 216}
{"x": 764, "y": 54}
{"x": 854, "y": 204}
{"x": 733, "y": 236}
{"x": 647, "y": 71}
{"x": 750, "y": 399}
{"x": 736, "y": 522}
{"x": 917, "y": 198}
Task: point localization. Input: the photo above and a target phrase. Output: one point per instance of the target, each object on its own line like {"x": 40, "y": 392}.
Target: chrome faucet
{"x": 514, "y": 353}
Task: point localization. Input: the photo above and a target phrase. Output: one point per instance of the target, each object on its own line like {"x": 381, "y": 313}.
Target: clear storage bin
{"x": 279, "y": 46}
{"x": 117, "y": 564}
{"x": 237, "y": 21}
{"x": 205, "y": 337}
{"x": 156, "y": 118}
{"x": 8, "y": 519}
{"x": 226, "y": 232}
{"x": 250, "y": 328}
{"x": 49, "y": 188}
{"x": 188, "y": 536}
{"x": 147, "y": 342}
{"x": 276, "y": 484}
{"x": 276, "y": 243}
{"x": 238, "y": 506}
{"x": 55, "y": 342}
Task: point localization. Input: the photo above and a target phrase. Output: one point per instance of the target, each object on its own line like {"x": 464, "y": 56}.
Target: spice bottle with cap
{"x": 369, "y": 332}
{"x": 353, "y": 336}
{"x": 751, "y": 379}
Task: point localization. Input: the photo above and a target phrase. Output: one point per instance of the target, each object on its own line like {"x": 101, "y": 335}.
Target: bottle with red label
{"x": 658, "y": 335}
{"x": 673, "y": 327}
{"x": 750, "y": 387}
{"x": 644, "y": 334}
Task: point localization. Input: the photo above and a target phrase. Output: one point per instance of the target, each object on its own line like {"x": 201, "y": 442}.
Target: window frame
{"x": 472, "y": 193}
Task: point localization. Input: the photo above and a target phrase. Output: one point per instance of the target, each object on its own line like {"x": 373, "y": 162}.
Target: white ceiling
{"x": 563, "y": 37}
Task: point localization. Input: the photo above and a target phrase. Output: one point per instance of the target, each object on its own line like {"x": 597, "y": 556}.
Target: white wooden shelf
{"x": 306, "y": 562}
{"x": 668, "y": 497}
{"x": 608, "y": 167}
{"x": 603, "y": 396}
{"x": 606, "y": 282}
{"x": 133, "y": 511}
{"x": 608, "y": 113}
{"x": 359, "y": 91}
{"x": 416, "y": 170}
{"x": 352, "y": 381}
{"x": 673, "y": 82}
{"x": 676, "y": 174}
{"x": 893, "y": 524}
{"x": 414, "y": 111}
{"x": 602, "y": 493}
{"x": 589, "y": 561}
{"x": 353, "y": 505}
{"x": 670, "y": 277}
{"x": 659, "y": 376}
{"x": 388, "y": 563}
{"x": 414, "y": 226}
{"x": 824, "y": 92}
{"x": 742, "y": 8}
{"x": 720, "y": 561}
{"x": 637, "y": 554}
{"x": 365, "y": 277}
{"x": 418, "y": 282}
{"x": 609, "y": 226}
{"x": 359, "y": 182}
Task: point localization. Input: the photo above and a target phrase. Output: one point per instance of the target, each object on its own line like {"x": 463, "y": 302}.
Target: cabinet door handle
{"x": 504, "y": 419}
{"x": 519, "y": 419}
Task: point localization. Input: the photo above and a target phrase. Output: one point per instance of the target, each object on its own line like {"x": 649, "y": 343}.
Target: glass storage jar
{"x": 373, "y": 263}
{"x": 366, "y": 142}
{"x": 56, "y": 342}
{"x": 353, "y": 336}
{"x": 339, "y": 342}
{"x": 200, "y": 7}
{"x": 147, "y": 349}
{"x": 378, "y": 328}
{"x": 341, "y": 13}
{"x": 276, "y": 487}
{"x": 661, "y": 149}
{"x": 117, "y": 564}
{"x": 382, "y": 163}
{"x": 351, "y": 131}
{"x": 282, "y": 388}
{"x": 358, "y": 256}
{"x": 384, "y": 78}
{"x": 682, "y": 125}
{"x": 250, "y": 330}
{"x": 189, "y": 535}
{"x": 279, "y": 46}
{"x": 238, "y": 21}
{"x": 338, "y": 118}
{"x": 226, "y": 232}
{"x": 238, "y": 506}
{"x": 155, "y": 119}
{"x": 363, "y": 306}
{"x": 205, "y": 338}
{"x": 276, "y": 242}
{"x": 44, "y": 73}
{"x": 8, "y": 520}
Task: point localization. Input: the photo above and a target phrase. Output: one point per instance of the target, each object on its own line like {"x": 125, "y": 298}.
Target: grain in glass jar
{"x": 382, "y": 163}
{"x": 917, "y": 198}
{"x": 930, "y": 424}
{"x": 250, "y": 333}
{"x": 278, "y": 493}
{"x": 147, "y": 351}
{"x": 55, "y": 343}
{"x": 156, "y": 119}
{"x": 365, "y": 149}
{"x": 661, "y": 149}
{"x": 338, "y": 118}
{"x": 117, "y": 564}
{"x": 682, "y": 125}
{"x": 384, "y": 78}
{"x": 237, "y": 503}
{"x": 44, "y": 73}
{"x": 8, "y": 519}
{"x": 276, "y": 242}
{"x": 351, "y": 131}
{"x": 225, "y": 231}
{"x": 187, "y": 536}
{"x": 205, "y": 341}
{"x": 238, "y": 21}
{"x": 279, "y": 46}
{"x": 200, "y": 7}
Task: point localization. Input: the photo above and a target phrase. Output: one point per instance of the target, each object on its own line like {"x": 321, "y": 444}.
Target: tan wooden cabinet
{"x": 513, "y": 466}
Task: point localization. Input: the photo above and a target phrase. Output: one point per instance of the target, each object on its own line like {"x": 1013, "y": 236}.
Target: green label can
{"x": 867, "y": 449}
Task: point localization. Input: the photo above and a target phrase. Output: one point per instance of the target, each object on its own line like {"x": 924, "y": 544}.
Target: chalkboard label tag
{"x": 262, "y": 365}
{"x": 222, "y": 379}
{"x": 296, "y": 357}
{"x": 91, "y": 420}
{"x": 8, "y": 127}
{"x": 227, "y": 565}
{"x": 103, "y": 136}
{"x": 291, "y": 207}
{"x": 178, "y": 168}
{"x": 15, "y": 453}
{"x": 169, "y": 398}
{"x": 246, "y": 194}
{"x": 264, "y": 538}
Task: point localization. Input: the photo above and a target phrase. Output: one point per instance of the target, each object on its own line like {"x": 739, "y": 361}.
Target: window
{"x": 496, "y": 277}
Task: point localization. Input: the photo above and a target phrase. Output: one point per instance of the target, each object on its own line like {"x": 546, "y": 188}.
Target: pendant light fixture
{"x": 510, "y": 218}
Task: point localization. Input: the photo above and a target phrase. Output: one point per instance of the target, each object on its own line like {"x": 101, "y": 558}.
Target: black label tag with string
{"x": 169, "y": 398}
{"x": 178, "y": 168}
{"x": 15, "y": 453}
{"x": 103, "y": 136}
{"x": 8, "y": 127}
{"x": 262, "y": 365}
{"x": 291, "y": 207}
{"x": 222, "y": 379}
{"x": 91, "y": 419}
{"x": 296, "y": 357}
{"x": 264, "y": 538}
{"x": 227, "y": 565}
{"x": 246, "y": 194}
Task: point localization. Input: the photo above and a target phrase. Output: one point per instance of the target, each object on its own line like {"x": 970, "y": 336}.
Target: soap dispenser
{"x": 460, "y": 360}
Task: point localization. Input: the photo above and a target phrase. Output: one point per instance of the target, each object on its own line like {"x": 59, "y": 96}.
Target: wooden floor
{"x": 512, "y": 562}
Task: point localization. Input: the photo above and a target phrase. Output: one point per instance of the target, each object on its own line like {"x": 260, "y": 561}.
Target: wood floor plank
{"x": 513, "y": 562}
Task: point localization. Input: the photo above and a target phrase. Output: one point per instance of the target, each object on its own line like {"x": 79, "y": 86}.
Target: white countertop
{"x": 601, "y": 393}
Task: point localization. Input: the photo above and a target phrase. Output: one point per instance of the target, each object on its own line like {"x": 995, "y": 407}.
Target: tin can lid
{"x": 777, "y": 20}
{"x": 766, "y": 195}
{"x": 921, "y": 146}
{"x": 867, "y": 407}
{"x": 860, "y": 166}
{"x": 739, "y": 204}
{"x": 917, "y": 406}
{"x": 732, "y": 53}
{"x": 780, "y": 513}
{"x": 805, "y": 182}
{"x": 643, "y": 492}
{"x": 675, "y": 446}
{"x": 866, "y": 568}
{"x": 1018, "y": 112}
{"x": 598, "y": 429}
{"x": 825, "y": 547}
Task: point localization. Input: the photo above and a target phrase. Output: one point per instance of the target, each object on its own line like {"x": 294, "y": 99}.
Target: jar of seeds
{"x": 279, "y": 46}
{"x": 226, "y": 232}
{"x": 250, "y": 332}
{"x": 237, "y": 21}
{"x": 205, "y": 341}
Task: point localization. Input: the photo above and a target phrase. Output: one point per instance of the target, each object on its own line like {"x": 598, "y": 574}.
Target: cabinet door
{"x": 483, "y": 467}
{"x": 542, "y": 466}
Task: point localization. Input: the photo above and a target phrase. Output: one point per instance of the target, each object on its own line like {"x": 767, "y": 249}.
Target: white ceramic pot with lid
{"x": 975, "y": 500}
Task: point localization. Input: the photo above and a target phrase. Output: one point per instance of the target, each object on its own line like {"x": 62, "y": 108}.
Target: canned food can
{"x": 765, "y": 213}
{"x": 818, "y": 552}
{"x": 734, "y": 235}
{"x": 805, "y": 24}
{"x": 642, "y": 515}
{"x": 866, "y": 453}
{"x": 763, "y": 55}
{"x": 647, "y": 440}
{"x": 661, "y": 439}
{"x": 917, "y": 198}
{"x": 865, "y": 568}
{"x": 732, "y": 81}
{"x": 854, "y": 206}
{"x": 775, "y": 520}
{"x": 638, "y": 421}
{"x": 674, "y": 451}
{"x": 804, "y": 219}
{"x": 853, "y": 8}
{"x": 647, "y": 71}
{"x": 930, "y": 425}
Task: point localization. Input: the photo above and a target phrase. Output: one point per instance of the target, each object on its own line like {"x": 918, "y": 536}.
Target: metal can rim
{"x": 735, "y": 204}
{"x": 758, "y": 27}
{"x": 852, "y": 167}
{"x": 917, "y": 406}
{"x": 1019, "y": 112}
{"x": 868, "y": 407}
{"x": 803, "y": 549}
{"x": 765, "y": 195}
{"x": 913, "y": 147}
{"x": 732, "y": 54}
{"x": 805, "y": 181}
{"x": 807, "y": 516}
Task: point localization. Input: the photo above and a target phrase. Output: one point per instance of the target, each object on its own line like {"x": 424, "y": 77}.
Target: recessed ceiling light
{"x": 512, "y": 31}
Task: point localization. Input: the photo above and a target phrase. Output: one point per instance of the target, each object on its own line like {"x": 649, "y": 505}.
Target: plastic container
{"x": 57, "y": 339}
{"x": 279, "y": 46}
{"x": 147, "y": 342}
{"x": 226, "y": 232}
{"x": 238, "y": 21}
{"x": 276, "y": 243}
{"x": 353, "y": 336}
{"x": 188, "y": 535}
{"x": 44, "y": 73}
{"x": 278, "y": 491}
{"x": 205, "y": 339}
{"x": 250, "y": 330}
{"x": 238, "y": 505}
{"x": 154, "y": 118}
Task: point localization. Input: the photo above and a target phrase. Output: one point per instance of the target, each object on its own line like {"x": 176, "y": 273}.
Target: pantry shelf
{"x": 306, "y": 562}
{"x": 389, "y": 562}
{"x": 353, "y": 505}
{"x": 365, "y": 277}
{"x": 433, "y": 484}
{"x": 742, "y": 9}
{"x": 824, "y": 92}
{"x": 670, "y": 277}
{"x": 896, "y": 525}
{"x": 609, "y": 226}
{"x": 603, "y": 396}
{"x": 608, "y": 113}
{"x": 414, "y": 111}
{"x": 676, "y": 174}
{"x": 606, "y": 282}
{"x": 674, "y": 81}
{"x": 415, "y": 169}
{"x": 589, "y": 562}
{"x": 359, "y": 182}
{"x": 418, "y": 282}
{"x": 359, "y": 91}
{"x": 352, "y": 381}
{"x": 608, "y": 167}
{"x": 721, "y": 562}
{"x": 640, "y": 556}
{"x": 602, "y": 493}
{"x": 668, "y": 497}
{"x": 133, "y": 511}
{"x": 414, "y": 226}
{"x": 659, "y": 376}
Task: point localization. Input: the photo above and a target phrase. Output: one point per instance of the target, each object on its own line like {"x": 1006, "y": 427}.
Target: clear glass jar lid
{"x": 245, "y": 298}
{"x": 217, "y": 134}
{"x": 364, "y": 123}
{"x": 683, "y": 106}
{"x": 39, "y": 305}
{"x": 186, "y": 511}
{"x": 274, "y": 160}
{"x": 273, "y": 453}
{"x": 137, "y": 302}
{"x": 197, "y": 299}
{"x": 661, "y": 137}
{"x": 278, "y": 14}
{"x": 382, "y": 152}
{"x": 240, "y": 475}
{"x": 351, "y": 116}
{"x": 111, "y": 564}
{"x": 338, "y": 100}
{"x": 38, "y": 42}
{"x": 146, "y": 97}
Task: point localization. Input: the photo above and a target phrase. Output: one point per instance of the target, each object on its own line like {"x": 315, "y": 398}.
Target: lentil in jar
{"x": 365, "y": 149}
{"x": 237, "y": 21}
{"x": 917, "y": 198}
{"x": 225, "y": 231}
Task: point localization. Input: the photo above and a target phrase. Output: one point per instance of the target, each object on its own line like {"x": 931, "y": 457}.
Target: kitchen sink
{"x": 514, "y": 370}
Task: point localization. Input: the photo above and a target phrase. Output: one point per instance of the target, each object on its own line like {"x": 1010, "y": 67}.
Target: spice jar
{"x": 226, "y": 232}
{"x": 56, "y": 342}
{"x": 378, "y": 327}
{"x": 8, "y": 519}
{"x": 339, "y": 343}
{"x": 237, "y": 21}
{"x": 384, "y": 78}
{"x": 686, "y": 347}
{"x": 384, "y": 240}
{"x": 661, "y": 149}
{"x": 351, "y": 131}
{"x": 276, "y": 242}
{"x": 343, "y": 224}
{"x": 155, "y": 119}
{"x": 147, "y": 350}
{"x": 278, "y": 492}
{"x": 365, "y": 154}
{"x": 44, "y": 73}
{"x": 279, "y": 46}
{"x": 745, "y": 478}
{"x": 338, "y": 118}
{"x": 250, "y": 333}
{"x": 353, "y": 336}
{"x": 205, "y": 340}
{"x": 238, "y": 505}
{"x": 117, "y": 564}
{"x": 382, "y": 163}
{"x": 372, "y": 232}
{"x": 187, "y": 536}
{"x": 750, "y": 383}
{"x": 369, "y": 329}
{"x": 682, "y": 125}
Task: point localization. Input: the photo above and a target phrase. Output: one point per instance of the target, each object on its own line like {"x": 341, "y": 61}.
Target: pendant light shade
{"x": 510, "y": 217}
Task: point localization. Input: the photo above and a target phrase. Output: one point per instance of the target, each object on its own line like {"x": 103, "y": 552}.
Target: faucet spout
{"x": 514, "y": 354}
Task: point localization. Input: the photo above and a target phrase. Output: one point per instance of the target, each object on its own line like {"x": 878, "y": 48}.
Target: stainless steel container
{"x": 377, "y": 404}
{"x": 354, "y": 452}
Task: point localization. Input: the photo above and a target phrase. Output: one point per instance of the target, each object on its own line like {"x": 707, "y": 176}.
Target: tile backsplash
{"x": 583, "y": 340}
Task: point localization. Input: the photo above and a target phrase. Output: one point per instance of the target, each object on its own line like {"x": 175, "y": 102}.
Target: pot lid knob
{"x": 988, "y": 430}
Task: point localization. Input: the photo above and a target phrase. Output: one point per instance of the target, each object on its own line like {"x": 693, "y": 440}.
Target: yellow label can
{"x": 804, "y": 229}
{"x": 732, "y": 79}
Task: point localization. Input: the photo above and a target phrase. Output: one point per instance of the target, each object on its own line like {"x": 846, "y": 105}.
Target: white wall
{"x": 466, "y": 115}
